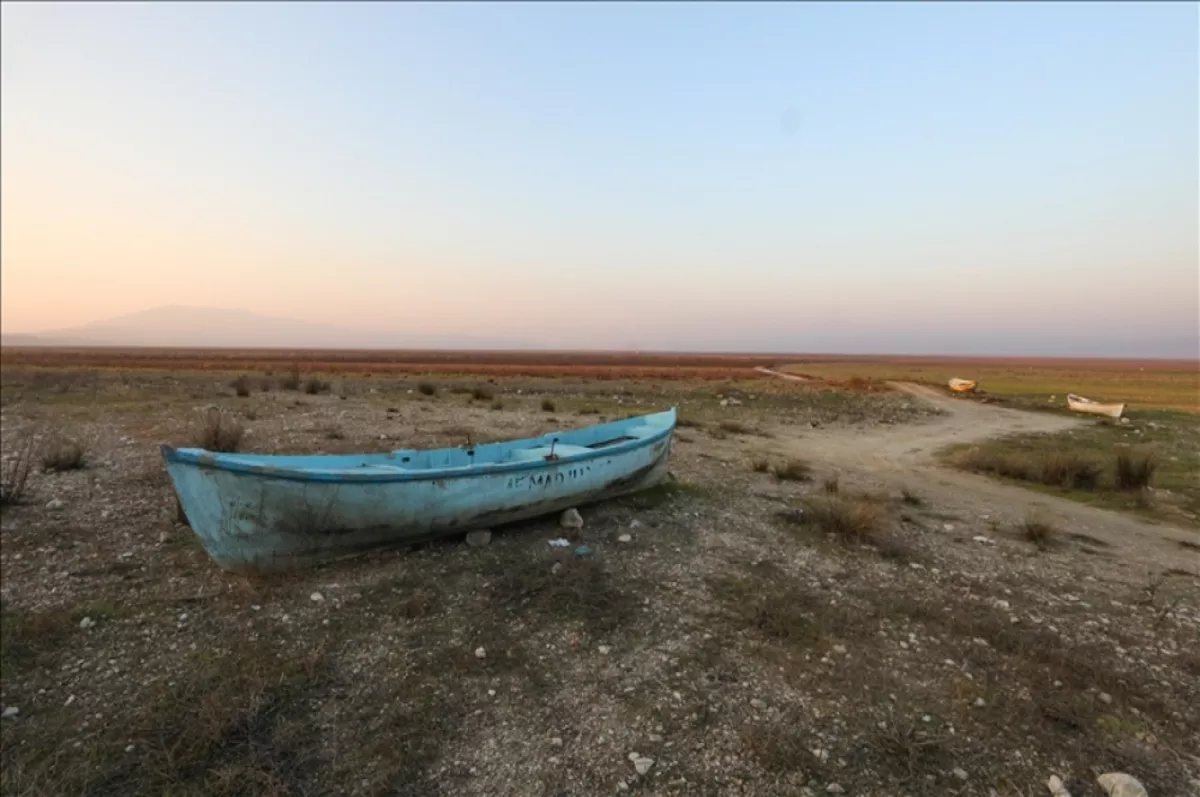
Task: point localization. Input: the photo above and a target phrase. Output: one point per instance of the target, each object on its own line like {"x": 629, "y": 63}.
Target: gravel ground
{"x": 753, "y": 635}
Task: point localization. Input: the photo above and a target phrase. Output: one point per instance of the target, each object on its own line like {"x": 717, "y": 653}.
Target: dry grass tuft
{"x": 219, "y": 431}
{"x": 1135, "y": 469}
{"x": 497, "y": 404}
{"x": 427, "y": 388}
{"x": 911, "y": 498}
{"x": 1054, "y": 468}
{"x": 1038, "y": 530}
{"x": 831, "y": 485}
{"x": 14, "y": 470}
{"x": 761, "y": 465}
{"x": 241, "y": 385}
{"x": 292, "y": 380}
{"x": 482, "y": 393}
{"x": 794, "y": 470}
{"x": 63, "y": 454}
{"x": 314, "y": 386}
{"x": 548, "y": 405}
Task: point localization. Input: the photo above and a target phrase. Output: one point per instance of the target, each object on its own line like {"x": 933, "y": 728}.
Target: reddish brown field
{"x": 593, "y": 364}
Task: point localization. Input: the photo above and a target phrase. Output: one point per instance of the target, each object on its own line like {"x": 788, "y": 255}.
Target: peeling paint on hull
{"x": 250, "y": 516}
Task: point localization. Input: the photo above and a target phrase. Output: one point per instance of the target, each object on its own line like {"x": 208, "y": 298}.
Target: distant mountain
{"x": 211, "y": 327}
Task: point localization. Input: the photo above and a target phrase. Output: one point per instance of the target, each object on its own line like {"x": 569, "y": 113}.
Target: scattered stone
{"x": 561, "y": 542}
{"x": 835, "y": 788}
{"x": 316, "y": 597}
{"x": 556, "y": 568}
{"x": 571, "y": 519}
{"x": 625, "y": 538}
{"x": 86, "y": 623}
{"x": 604, "y": 649}
{"x": 948, "y": 526}
{"x": 11, "y": 711}
{"x": 979, "y": 702}
{"x": 1118, "y": 784}
{"x": 959, "y": 773}
{"x": 839, "y": 649}
{"x": 984, "y": 540}
{"x": 480, "y": 538}
{"x": 635, "y": 524}
{"x": 55, "y": 503}
{"x": 556, "y": 741}
{"x": 758, "y": 704}
{"x": 480, "y": 653}
{"x": 1105, "y": 698}
{"x": 70, "y": 700}
{"x": 642, "y": 764}
{"x": 129, "y": 748}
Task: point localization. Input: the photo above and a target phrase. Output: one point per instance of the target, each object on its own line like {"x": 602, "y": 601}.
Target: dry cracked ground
{"x": 809, "y": 607}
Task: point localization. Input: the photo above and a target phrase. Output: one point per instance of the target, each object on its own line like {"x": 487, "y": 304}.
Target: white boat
{"x": 1081, "y": 404}
{"x": 962, "y": 385}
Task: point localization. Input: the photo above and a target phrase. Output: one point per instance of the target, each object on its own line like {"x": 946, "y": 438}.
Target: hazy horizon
{"x": 892, "y": 178}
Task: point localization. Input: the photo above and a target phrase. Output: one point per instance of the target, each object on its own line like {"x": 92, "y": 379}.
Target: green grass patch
{"x": 1147, "y": 466}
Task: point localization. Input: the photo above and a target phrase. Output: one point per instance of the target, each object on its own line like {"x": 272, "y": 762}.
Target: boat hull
{"x": 260, "y": 522}
{"x": 1095, "y": 408}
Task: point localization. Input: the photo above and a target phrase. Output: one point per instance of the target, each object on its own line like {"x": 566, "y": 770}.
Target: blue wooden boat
{"x": 256, "y": 512}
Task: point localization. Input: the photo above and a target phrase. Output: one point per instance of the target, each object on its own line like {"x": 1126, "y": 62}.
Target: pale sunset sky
{"x": 983, "y": 178}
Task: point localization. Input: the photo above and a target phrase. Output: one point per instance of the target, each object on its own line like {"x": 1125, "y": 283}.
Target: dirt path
{"x": 903, "y": 456}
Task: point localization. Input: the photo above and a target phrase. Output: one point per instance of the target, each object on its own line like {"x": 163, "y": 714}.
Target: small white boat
{"x": 962, "y": 385}
{"x": 1081, "y": 404}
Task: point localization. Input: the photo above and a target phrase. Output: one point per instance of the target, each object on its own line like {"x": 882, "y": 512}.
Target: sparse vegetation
{"x": 14, "y": 469}
{"x": 241, "y": 385}
{"x": 314, "y": 386}
{"x": 911, "y": 498}
{"x": 849, "y": 519}
{"x": 1038, "y": 530}
{"x": 497, "y": 405}
{"x": 1135, "y": 469}
{"x": 427, "y": 388}
{"x": 761, "y": 465}
{"x": 292, "y": 380}
{"x": 219, "y": 431}
{"x": 793, "y": 470}
{"x": 731, "y": 426}
{"x": 548, "y": 405}
{"x": 63, "y": 454}
{"x": 831, "y": 485}
{"x": 482, "y": 393}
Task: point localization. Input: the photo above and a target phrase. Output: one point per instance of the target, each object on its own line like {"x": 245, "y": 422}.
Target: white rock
{"x": 634, "y": 756}
{"x": 1118, "y": 784}
{"x": 959, "y": 773}
{"x": 55, "y": 503}
{"x": 835, "y": 788}
{"x": 70, "y": 700}
{"x": 1105, "y": 698}
{"x": 87, "y": 622}
{"x": 129, "y": 748}
{"x": 556, "y": 741}
{"x": 480, "y": 538}
{"x": 11, "y": 711}
{"x": 979, "y": 702}
{"x": 643, "y": 764}
{"x": 571, "y": 519}
{"x": 604, "y": 649}
{"x": 316, "y": 597}
{"x": 1056, "y": 787}
{"x": 635, "y": 524}
{"x": 561, "y": 542}
{"x": 981, "y": 539}
{"x": 839, "y": 649}
{"x": 948, "y": 526}
{"x": 480, "y": 653}
{"x": 625, "y": 538}
{"x": 756, "y": 703}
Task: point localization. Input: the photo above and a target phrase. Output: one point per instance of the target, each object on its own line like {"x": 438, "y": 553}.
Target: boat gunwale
{"x": 203, "y": 458}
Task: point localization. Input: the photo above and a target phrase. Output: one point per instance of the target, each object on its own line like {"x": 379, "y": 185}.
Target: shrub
{"x": 482, "y": 393}
{"x": 911, "y": 498}
{"x": 831, "y": 485}
{"x": 1040, "y": 531}
{"x": 427, "y": 389}
{"x": 314, "y": 386}
{"x": 265, "y": 385}
{"x": 241, "y": 385}
{"x": 497, "y": 404}
{"x": 548, "y": 405}
{"x": 63, "y": 454}
{"x": 292, "y": 380}
{"x": 14, "y": 471}
{"x": 761, "y": 465}
{"x": 1135, "y": 470}
{"x": 794, "y": 470}
{"x": 848, "y": 519}
{"x": 219, "y": 431}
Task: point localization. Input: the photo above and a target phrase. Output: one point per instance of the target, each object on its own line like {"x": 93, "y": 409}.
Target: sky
{"x": 991, "y": 178}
